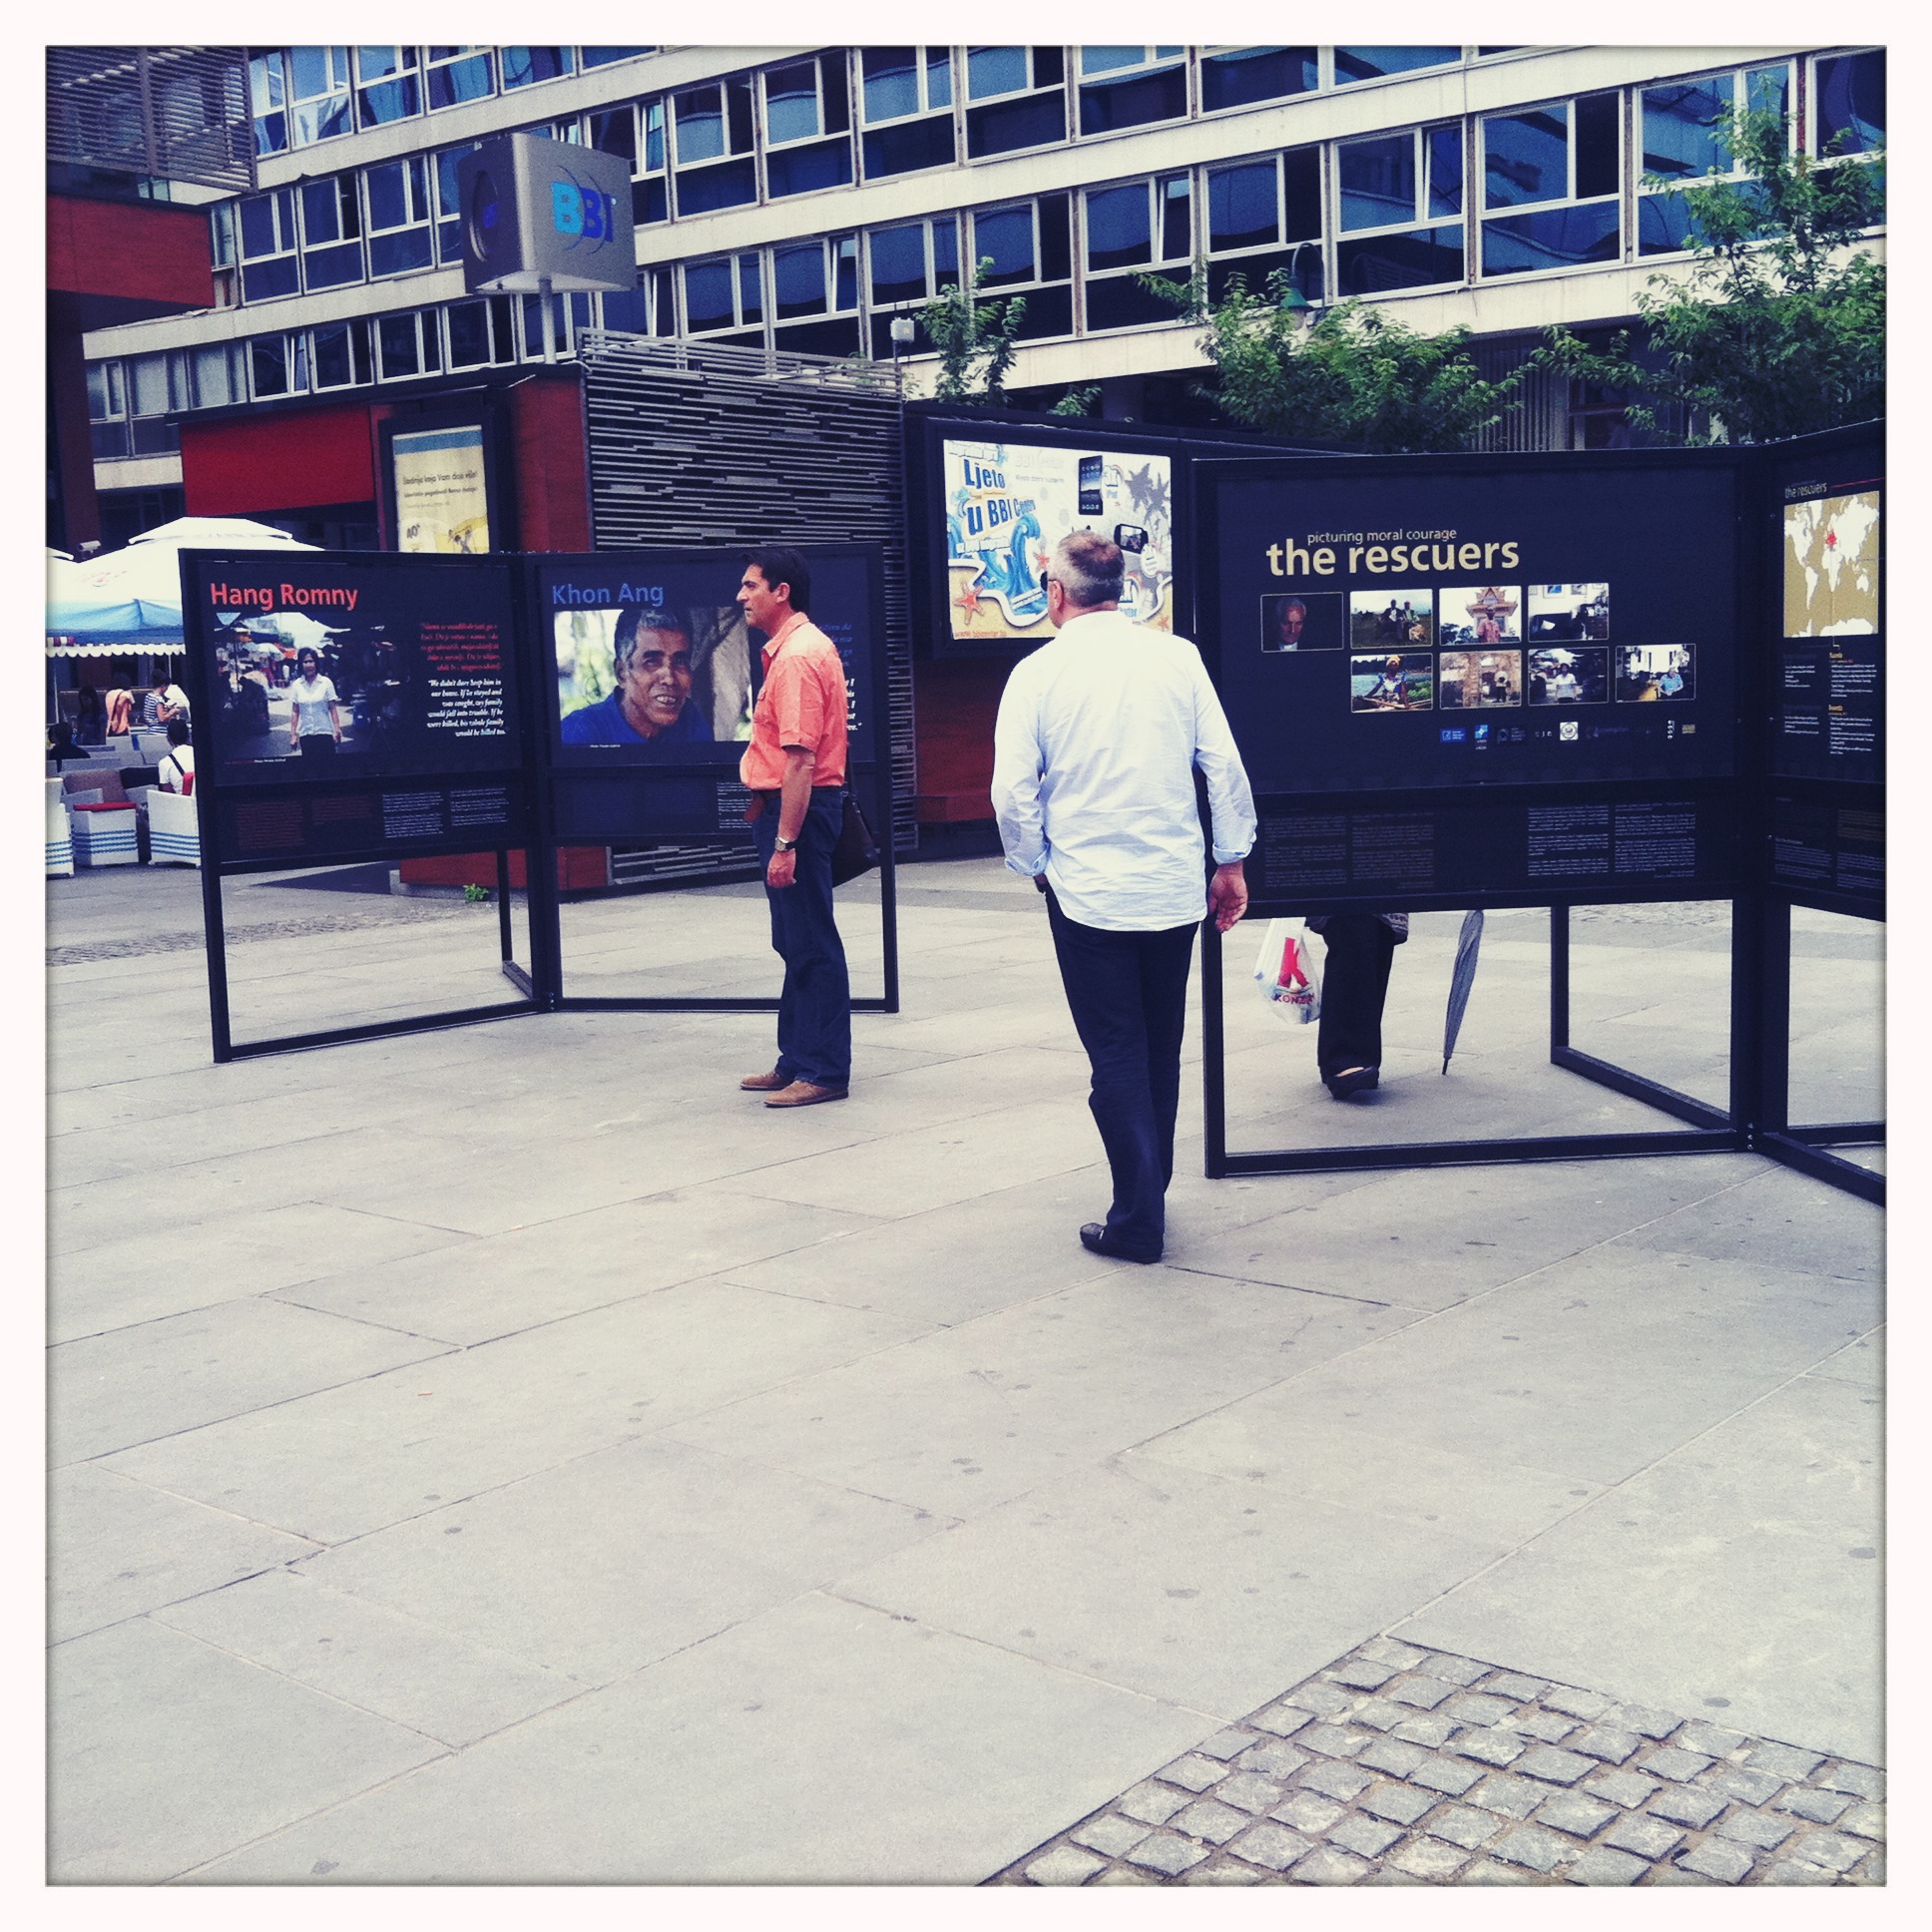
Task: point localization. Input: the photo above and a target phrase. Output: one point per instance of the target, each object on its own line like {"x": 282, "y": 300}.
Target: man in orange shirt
{"x": 795, "y": 766}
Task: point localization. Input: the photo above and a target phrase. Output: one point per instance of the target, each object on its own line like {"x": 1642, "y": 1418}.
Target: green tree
{"x": 1778, "y": 328}
{"x": 975, "y": 339}
{"x": 1353, "y": 374}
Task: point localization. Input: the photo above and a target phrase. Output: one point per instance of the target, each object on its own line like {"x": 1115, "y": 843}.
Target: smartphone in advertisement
{"x": 1090, "y": 502}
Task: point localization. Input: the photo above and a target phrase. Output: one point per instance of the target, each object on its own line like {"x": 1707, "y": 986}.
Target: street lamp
{"x": 1294, "y": 300}
{"x": 903, "y": 333}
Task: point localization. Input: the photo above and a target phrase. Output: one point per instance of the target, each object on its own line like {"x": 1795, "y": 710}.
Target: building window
{"x": 650, "y": 308}
{"x": 1561, "y": 167}
{"x": 804, "y": 104}
{"x": 399, "y": 216}
{"x": 607, "y": 56}
{"x": 332, "y": 233}
{"x": 1244, "y": 77}
{"x": 388, "y": 85}
{"x": 279, "y": 366}
{"x": 725, "y": 300}
{"x": 1686, "y": 128}
{"x": 480, "y": 332}
{"x": 408, "y": 344}
{"x": 338, "y": 355}
{"x": 906, "y": 266}
{"x": 713, "y": 128}
{"x": 459, "y": 74}
{"x": 107, "y": 409}
{"x": 1263, "y": 215}
{"x": 1354, "y": 64}
{"x": 1391, "y": 194}
{"x": 1135, "y": 229}
{"x": 269, "y": 265}
{"x": 636, "y": 130}
{"x": 1016, "y": 98}
{"x": 815, "y": 296}
{"x": 525, "y": 66}
{"x": 1129, "y": 87}
{"x": 216, "y": 375}
{"x": 150, "y": 433}
{"x": 907, "y": 98}
{"x": 568, "y": 313}
{"x": 1848, "y": 93}
{"x": 298, "y": 95}
{"x": 1029, "y": 250}
{"x": 449, "y": 203}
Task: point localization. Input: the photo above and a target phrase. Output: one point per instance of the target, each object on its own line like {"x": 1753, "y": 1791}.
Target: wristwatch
{"x": 783, "y": 844}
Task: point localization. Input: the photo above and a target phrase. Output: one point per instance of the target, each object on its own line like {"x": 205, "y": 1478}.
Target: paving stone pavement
{"x": 1402, "y": 1766}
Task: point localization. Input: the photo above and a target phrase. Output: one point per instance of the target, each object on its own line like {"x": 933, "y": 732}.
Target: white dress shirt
{"x": 1093, "y": 751}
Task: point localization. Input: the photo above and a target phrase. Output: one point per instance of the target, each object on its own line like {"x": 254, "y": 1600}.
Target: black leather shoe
{"x": 1358, "y": 1080}
{"x": 1093, "y": 1237}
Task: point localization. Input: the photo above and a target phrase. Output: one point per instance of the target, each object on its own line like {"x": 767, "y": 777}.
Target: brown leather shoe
{"x": 801, "y": 1093}
{"x": 762, "y": 1083}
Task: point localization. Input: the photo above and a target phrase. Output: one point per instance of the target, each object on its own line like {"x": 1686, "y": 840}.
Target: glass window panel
{"x": 728, "y": 184}
{"x": 389, "y": 88}
{"x": 654, "y": 136}
{"x": 1599, "y": 125}
{"x": 1301, "y": 194}
{"x": 334, "y": 366}
{"x": 939, "y": 77}
{"x": 1006, "y": 236}
{"x": 1004, "y": 127}
{"x": 1119, "y": 301}
{"x": 1417, "y": 260}
{"x": 214, "y": 377}
{"x": 1103, "y": 60}
{"x": 945, "y": 252}
{"x": 995, "y": 69}
{"x": 265, "y": 281}
{"x": 1684, "y": 127}
{"x": 792, "y": 103}
{"x": 909, "y": 145}
{"x": 1556, "y": 238}
{"x": 798, "y": 280}
{"x": 377, "y": 63}
{"x": 1132, "y": 103}
{"x": 1377, "y": 180}
{"x": 1445, "y": 168}
{"x": 108, "y": 439}
{"x": 1049, "y": 311}
{"x": 649, "y": 202}
{"x": 432, "y": 341}
{"x": 707, "y": 296}
{"x": 889, "y": 82}
{"x": 834, "y": 92}
{"x": 845, "y": 272}
{"x": 524, "y": 64}
{"x": 258, "y": 233}
{"x": 1250, "y": 74}
{"x": 750, "y": 294}
{"x": 1056, "y": 238}
{"x": 1663, "y": 224}
{"x": 269, "y": 365}
{"x": 458, "y": 74}
{"x": 469, "y": 335}
{"x": 1370, "y": 63}
{"x": 397, "y": 348}
{"x": 1049, "y": 67}
{"x": 604, "y": 56}
{"x": 1120, "y": 231}
{"x": 1176, "y": 230}
{"x": 1244, "y": 206}
{"x": 1526, "y": 156}
{"x": 180, "y": 379}
{"x": 148, "y": 385}
{"x": 104, "y": 391}
{"x": 701, "y": 124}
{"x": 328, "y": 214}
{"x": 898, "y": 263}
{"x": 333, "y": 267}
{"x": 625, "y": 310}
{"x": 1769, "y": 89}
{"x": 800, "y": 171}
{"x": 1851, "y": 103}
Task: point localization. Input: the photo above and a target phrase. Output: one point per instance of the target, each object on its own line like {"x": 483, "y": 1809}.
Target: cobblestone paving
{"x": 404, "y": 914}
{"x": 1401, "y": 1767}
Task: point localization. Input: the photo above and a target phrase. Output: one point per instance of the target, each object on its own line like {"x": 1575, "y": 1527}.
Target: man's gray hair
{"x": 1089, "y": 566}
{"x": 635, "y": 629}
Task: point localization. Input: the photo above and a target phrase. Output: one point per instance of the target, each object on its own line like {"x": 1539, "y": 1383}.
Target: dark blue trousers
{"x": 815, "y": 1008}
{"x": 1128, "y": 992}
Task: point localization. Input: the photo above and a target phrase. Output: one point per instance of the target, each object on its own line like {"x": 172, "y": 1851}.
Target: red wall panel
{"x": 279, "y": 462}
{"x": 145, "y": 252}
{"x": 552, "y": 475}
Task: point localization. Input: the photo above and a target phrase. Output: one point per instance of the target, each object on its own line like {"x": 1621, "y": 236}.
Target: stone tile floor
{"x": 1402, "y": 1766}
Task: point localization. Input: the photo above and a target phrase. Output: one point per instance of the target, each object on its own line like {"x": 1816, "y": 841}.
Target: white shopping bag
{"x": 1289, "y": 970}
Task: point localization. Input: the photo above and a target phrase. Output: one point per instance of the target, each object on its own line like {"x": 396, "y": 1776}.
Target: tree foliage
{"x": 1354, "y": 375}
{"x": 975, "y": 339}
{"x": 1776, "y": 330}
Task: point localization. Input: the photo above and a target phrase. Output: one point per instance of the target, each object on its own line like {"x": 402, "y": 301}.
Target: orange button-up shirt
{"x": 802, "y": 702}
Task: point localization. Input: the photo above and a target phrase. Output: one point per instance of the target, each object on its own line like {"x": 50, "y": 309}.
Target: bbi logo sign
{"x": 545, "y": 214}
{"x": 582, "y": 212}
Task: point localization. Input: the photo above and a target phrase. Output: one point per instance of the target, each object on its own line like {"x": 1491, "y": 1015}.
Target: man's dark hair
{"x": 178, "y": 730}
{"x": 780, "y": 564}
{"x": 635, "y": 627}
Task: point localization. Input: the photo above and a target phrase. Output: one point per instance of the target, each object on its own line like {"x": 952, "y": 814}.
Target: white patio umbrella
{"x": 131, "y": 598}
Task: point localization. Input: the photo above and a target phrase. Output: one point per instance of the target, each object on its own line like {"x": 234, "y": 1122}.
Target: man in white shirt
{"x": 1094, "y": 755}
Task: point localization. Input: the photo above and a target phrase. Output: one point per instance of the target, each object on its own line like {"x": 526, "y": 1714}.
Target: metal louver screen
{"x": 171, "y": 113}
{"x": 696, "y": 444}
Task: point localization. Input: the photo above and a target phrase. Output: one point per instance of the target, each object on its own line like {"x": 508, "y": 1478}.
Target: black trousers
{"x": 1354, "y": 983}
{"x": 816, "y": 1005}
{"x": 1128, "y": 992}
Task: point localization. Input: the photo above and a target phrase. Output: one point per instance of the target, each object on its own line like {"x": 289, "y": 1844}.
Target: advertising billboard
{"x": 1008, "y": 503}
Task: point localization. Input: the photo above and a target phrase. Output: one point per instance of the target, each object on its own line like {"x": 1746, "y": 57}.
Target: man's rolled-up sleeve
{"x": 1229, "y": 799}
{"x": 799, "y": 706}
{"x": 1017, "y": 768}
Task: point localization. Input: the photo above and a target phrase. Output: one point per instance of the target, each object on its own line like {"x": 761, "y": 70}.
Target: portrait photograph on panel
{"x": 649, "y": 678}
{"x": 288, "y": 686}
{"x": 1561, "y": 675}
{"x": 1468, "y": 680}
{"x": 1479, "y": 614}
{"x": 1397, "y": 618}
{"x": 1650, "y": 674}
{"x": 1568, "y": 614}
{"x": 1401, "y": 682}
{"x": 1302, "y": 620}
